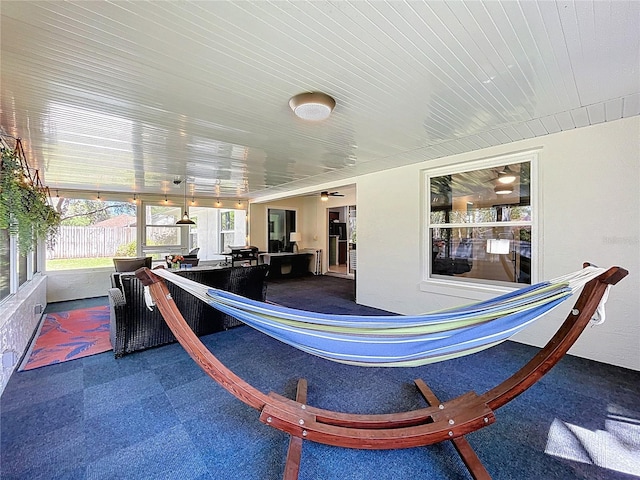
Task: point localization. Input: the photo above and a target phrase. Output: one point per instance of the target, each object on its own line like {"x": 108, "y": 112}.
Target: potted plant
{"x": 173, "y": 261}
{"x": 24, "y": 207}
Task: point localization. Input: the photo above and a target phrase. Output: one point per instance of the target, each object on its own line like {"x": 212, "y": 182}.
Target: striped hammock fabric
{"x": 396, "y": 340}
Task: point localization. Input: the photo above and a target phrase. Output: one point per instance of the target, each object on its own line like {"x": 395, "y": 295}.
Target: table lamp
{"x": 293, "y": 238}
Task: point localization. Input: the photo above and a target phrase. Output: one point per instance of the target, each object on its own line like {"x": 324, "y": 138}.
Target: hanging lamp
{"x": 185, "y": 218}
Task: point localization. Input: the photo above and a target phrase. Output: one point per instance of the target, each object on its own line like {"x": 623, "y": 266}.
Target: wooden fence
{"x": 90, "y": 242}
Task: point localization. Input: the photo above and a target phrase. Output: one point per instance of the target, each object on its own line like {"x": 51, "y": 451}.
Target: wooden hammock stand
{"x": 441, "y": 421}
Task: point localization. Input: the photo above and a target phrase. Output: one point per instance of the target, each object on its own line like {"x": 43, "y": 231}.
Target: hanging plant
{"x": 24, "y": 207}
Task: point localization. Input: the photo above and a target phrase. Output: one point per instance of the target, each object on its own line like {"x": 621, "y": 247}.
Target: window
{"x": 226, "y": 220}
{"x": 15, "y": 268}
{"x": 5, "y": 266}
{"x": 23, "y": 269}
{"x": 92, "y": 232}
{"x": 216, "y": 229}
{"x": 281, "y": 224}
{"x": 233, "y": 230}
{"x": 160, "y": 226}
{"x": 480, "y": 225}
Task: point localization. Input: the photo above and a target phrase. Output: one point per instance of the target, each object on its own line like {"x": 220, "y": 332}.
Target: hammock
{"x": 398, "y": 341}
{"x": 452, "y": 332}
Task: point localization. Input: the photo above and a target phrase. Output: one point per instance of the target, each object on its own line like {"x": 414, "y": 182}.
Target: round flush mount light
{"x": 312, "y": 106}
{"x": 502, "y": 189}
{"x": 506, "y": 175}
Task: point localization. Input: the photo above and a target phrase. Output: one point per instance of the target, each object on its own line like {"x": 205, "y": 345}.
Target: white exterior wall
{"x": 76, "y": 284}
{"x": 589, "y": 185}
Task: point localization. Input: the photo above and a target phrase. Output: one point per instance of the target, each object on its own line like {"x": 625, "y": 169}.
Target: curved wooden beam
{"x": 426, "y": 426}
{"x": 194, "y": 347}
{"x": 575, "y": 323}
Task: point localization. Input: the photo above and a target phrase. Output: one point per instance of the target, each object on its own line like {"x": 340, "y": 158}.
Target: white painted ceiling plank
{"x": 631, "y": 105}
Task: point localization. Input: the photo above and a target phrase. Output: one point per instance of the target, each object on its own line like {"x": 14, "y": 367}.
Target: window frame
{"x": 21, "y": 268}
{"x": 155, "y": 250}
{"x": 478, "y": 289}
{"x": 72, "y": 195}
{"x": 290, "y": 223}
{"x": 224, "y": 231}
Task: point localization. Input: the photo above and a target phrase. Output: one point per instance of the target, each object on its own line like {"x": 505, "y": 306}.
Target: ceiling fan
{"x": 324, "y": 196}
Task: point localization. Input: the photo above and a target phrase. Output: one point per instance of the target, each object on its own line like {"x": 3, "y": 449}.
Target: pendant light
{"x": 185, "y": 218}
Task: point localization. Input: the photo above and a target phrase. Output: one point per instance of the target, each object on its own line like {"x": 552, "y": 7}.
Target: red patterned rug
{"x": 69, "y": 335}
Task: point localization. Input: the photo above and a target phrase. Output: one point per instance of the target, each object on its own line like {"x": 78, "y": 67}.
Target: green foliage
{"x": 24, "y": 207}
{"x": 127, "y": 250}
{"x": 82, "y": 213}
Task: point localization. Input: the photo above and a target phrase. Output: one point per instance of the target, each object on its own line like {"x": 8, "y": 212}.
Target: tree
{"x": 82, "y": 213}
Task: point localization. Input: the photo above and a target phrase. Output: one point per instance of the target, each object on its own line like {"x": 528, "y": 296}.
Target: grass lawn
{"x": 74, "y": 263}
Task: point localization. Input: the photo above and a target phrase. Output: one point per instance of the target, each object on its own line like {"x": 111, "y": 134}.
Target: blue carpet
{"x": 156, "y": 415}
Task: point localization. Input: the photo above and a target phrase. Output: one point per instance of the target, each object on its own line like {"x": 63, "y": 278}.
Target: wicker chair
{"x": 131, "y": 264}
{"x": 134, "y": 327}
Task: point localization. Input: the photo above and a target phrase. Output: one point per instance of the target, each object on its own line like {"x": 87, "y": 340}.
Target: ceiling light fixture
{"x": 506, "y": 175}
{"x": 185, "y": 217}
{"x": 312, "y": 106}
{"x": 503, "y": 189}
{"x": 324, "y": 196}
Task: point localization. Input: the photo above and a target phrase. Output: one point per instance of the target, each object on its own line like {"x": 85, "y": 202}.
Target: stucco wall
{"x": 19, "y": 317}
{"x": 76, "y": 284}
{"x": 590, "y": 202}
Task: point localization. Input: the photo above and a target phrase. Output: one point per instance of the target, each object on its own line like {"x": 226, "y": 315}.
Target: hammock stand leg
{"x": 466, "y": 452}
{"x": 294, "y": 453}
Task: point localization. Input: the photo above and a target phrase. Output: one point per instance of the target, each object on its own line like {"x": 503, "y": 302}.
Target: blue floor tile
{"x": 156, "y": 415}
